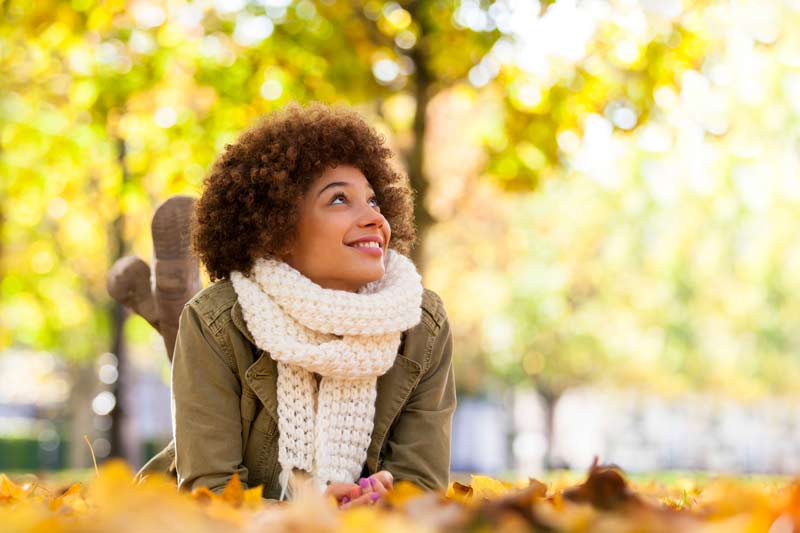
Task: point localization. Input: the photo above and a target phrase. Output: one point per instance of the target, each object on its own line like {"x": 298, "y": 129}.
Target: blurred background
{"x": 608, "y": 196}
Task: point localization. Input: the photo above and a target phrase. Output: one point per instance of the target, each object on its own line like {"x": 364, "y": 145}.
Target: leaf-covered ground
{"x": 604, "y": 502}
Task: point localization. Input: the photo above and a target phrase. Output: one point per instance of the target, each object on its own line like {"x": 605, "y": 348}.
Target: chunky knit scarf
{"x": 348, "y": 338}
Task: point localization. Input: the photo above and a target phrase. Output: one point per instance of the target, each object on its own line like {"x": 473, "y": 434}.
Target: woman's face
{"x": 342, "y": 237}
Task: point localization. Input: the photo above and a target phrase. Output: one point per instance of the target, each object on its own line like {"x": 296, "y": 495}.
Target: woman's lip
{"x": 377, "y": 252}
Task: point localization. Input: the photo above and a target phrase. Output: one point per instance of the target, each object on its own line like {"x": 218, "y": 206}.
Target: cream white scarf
{"x": 348, "y": 338}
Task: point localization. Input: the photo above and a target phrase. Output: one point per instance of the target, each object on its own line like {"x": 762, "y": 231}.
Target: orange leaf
{"x": 233, "y": 492}
{"x": 203, "y": 495}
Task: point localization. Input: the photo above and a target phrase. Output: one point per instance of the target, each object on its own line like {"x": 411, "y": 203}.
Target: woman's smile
{"x": 372, "y": 245}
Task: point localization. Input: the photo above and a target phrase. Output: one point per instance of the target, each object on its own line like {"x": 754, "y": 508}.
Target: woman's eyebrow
{"x": 338, "y": 184}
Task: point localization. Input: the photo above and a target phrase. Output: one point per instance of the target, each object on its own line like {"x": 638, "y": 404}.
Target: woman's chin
{"x": 369, "y": 276}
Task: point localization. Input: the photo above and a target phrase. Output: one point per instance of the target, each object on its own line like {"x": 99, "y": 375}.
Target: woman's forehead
{"x": 342, "y": 175}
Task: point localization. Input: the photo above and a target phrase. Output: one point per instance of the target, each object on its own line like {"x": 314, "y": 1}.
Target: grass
{"x": 663, "y": 477}
{"x": 52, "y": 478}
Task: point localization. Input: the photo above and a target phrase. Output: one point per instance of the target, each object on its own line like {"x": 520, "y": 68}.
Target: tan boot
{"x": 177, "y": 272}
{"x": 129, "y": 284}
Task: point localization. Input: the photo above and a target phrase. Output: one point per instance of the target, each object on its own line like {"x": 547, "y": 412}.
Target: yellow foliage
{"x": 9, "y": 491}
{"x": 487, "y": 488}
{"x": 402, "y": 492}
{"x": 604, "y": 502}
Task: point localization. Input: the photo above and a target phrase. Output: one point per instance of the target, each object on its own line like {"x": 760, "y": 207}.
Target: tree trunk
{"x": 118, "y": 414}
{"x": 549, "y": 402}
{"x": 416, "y": 156}
{"x": 119, "y": 447}
{"x": 79, "y": 405}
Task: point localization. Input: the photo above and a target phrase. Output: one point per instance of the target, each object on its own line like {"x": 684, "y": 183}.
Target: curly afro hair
{"x": 249, "y": 206}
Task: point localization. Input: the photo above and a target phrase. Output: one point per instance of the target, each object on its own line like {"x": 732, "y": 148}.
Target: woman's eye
{"x": 340, "y": 198}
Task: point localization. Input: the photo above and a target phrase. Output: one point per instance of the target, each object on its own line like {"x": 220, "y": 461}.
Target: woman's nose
{"x": 370, "y": 217}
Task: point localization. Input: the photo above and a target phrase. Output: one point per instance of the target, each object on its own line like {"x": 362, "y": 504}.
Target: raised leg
{"x": 177, "y": 272}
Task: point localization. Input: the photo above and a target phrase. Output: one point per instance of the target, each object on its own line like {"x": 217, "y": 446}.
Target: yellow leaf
{"x": 113, "y": 479}
{"x": 402, "y": 492}
{"x": 361, "y": 518}
{"x": 67, "y": 498}
{"x": 486, "y": 488}
{"x": 116, "y": 471}
{"x": 252, "y": 497}
{"x": 76, "y": 503}
{"x": 10, "y": 490}
{"x": 458, "y": 492}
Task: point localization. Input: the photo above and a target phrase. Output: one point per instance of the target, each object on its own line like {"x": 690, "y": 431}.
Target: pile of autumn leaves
{"x": 605, "y": 501}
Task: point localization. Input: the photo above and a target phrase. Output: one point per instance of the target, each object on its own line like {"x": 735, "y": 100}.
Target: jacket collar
{"x": 238, "y": 320}
{"x": 262, "y": 375}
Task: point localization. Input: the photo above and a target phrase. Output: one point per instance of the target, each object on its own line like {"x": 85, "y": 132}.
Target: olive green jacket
{"x": 225, "y": 404}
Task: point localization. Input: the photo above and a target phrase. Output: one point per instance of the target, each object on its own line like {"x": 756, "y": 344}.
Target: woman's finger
{"x": 377, "y": 486}
{"x": 385, "y": 477}
{"x": 368, "y": 498}
{"x": 342, "y": 490}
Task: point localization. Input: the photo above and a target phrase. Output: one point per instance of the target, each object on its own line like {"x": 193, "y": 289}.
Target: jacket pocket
{"x": 393, "y": 391}
{"x": 247, "y": 405}
{"x": 261, "y": 453}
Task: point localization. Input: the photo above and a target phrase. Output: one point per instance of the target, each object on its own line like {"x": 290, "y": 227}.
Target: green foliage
{"x": 106, "y": 110}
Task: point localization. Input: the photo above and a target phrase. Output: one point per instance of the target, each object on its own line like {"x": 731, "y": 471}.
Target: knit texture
{"x": 348, "y": 338}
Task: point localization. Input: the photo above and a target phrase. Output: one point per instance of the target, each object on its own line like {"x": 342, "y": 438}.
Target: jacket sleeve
{"x": 418, "y": 446}
{"x": 206, "y": 417}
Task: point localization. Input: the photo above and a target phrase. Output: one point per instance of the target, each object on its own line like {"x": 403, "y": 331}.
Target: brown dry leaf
{"x": 605, "y": 488}
{"x": 458, "y": 492}
{"x": 559, "y": 515}
{"x": 520, "y": 502}
{"x": 538, "y": 488}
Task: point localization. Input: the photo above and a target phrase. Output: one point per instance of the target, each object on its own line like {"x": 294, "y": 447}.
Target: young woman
{"x": 316, "y": 353}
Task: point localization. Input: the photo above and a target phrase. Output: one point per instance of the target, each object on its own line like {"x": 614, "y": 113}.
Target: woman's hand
{"x": 343, "y": 491}
{"x": 366, "y": 492}
{"x": 385, "y": 478}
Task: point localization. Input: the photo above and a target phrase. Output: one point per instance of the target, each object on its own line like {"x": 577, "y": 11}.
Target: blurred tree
{"x": 106, "y": 109}
{"x": 664, "y": 258}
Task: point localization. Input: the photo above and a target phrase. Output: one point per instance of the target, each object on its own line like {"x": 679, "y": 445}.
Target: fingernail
{"x": 372, "y": 483}
{"x": 374, "y": 496}
{"x": 364, "y": 483}
{"x": 345, "y": 499}
{"x": 355, "y": 492}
